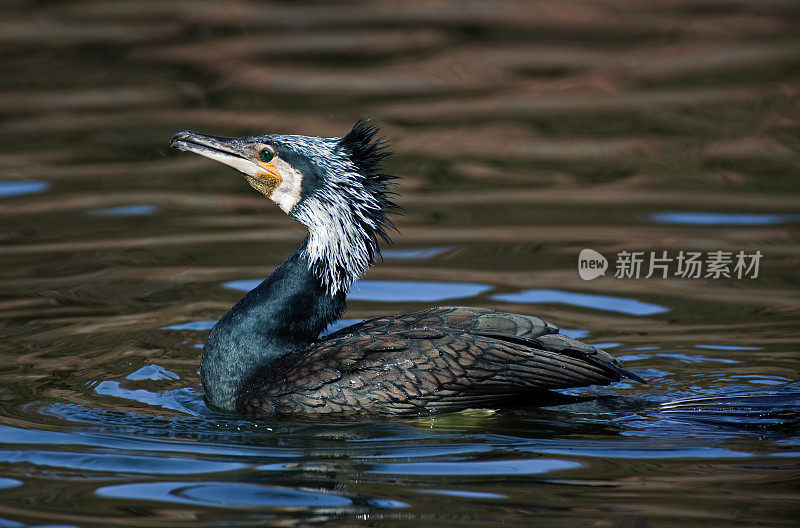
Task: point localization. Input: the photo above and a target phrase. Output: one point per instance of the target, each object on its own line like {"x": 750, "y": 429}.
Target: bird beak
{"x": 230, "y": 151}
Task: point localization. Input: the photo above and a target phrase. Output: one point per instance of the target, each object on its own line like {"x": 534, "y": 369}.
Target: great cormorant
{"x": 266, "y": 354}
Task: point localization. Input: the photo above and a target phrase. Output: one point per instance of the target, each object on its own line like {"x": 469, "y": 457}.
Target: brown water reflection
{"x": 524, "y": 131}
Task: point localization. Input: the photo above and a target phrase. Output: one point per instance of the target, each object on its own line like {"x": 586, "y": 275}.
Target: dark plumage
{"x": 265, "y": 356}
{"x": 435, "y": 360}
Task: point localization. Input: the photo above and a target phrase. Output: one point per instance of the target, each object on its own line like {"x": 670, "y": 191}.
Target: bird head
{"x": 335, "y": 187}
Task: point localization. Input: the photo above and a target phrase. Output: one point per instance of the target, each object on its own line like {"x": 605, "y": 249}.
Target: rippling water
{"x": 524, "y": 133}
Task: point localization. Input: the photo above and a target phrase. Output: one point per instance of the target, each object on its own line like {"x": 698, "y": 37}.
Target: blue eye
{"x": 266, "y": 155}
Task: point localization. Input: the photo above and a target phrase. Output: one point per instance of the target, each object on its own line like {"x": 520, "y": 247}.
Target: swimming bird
{"x": 266, "y": 356}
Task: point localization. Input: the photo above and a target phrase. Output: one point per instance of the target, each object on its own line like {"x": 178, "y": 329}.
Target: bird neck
{"x": 286, "y": 312}
{"x": 343, "y": 224}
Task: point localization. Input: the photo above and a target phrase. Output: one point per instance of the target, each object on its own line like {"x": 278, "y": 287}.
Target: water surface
{"x": 524, "y": 132}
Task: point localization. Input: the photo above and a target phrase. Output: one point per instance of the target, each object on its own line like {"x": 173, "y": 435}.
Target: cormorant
{"x": 265, "y": 355}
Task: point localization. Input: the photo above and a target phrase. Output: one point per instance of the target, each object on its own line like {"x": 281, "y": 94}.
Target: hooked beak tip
{"x": 179, "y": 136}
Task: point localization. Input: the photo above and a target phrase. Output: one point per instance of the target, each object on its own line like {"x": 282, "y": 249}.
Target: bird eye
{"x": 266, "y": 155}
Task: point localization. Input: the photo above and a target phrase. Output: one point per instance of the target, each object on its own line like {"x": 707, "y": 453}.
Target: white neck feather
{"x": 341, "y": 240}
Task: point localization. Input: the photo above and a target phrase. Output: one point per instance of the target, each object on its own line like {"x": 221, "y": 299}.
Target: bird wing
{"x": 465, "y": 318}
{"x": 426, "y": 369}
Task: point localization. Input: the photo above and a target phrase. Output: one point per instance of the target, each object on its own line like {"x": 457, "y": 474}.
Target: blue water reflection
{"x": 410, "y": 291}
{"x": 193, "y": 325}
{"x": 762, "y": 379}
{"x": 728, "y": 347}
{"x": 167, "y": 399}
{"x": 531, "y": 466}
{"x": 634, "y": 357}
{"x": 152, "y": 372}
{"x": 465, "y": 494}
{"x": 585, "y": 300}
{"x": 19, "y": 188}
{"x": 226, "y": 494}
{"x": 8, "y": 523}
{"x": 115, "y": 463}
{"x": 82, "y": 440}
{"x": 395, "y": 291}
{"x": 574, "y": 333}
{"x": 653, "y": 450}
{"x": 413, "y": 254}
{"x": 338, "y": 325}
{"x": 702, "y": 218}
{"x": 125, "y": 210}
{"x": 8, "y": 483}
{"x": 428, "y": 450}
{"x": 687, "y": 358}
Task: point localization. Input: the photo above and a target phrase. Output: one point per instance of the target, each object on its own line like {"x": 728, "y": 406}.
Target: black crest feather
{"x": 367, "y": 151}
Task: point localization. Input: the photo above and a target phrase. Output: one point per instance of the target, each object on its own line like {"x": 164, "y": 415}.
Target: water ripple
{"x": 223, "y": 494}
{"x": 120, "y": 464}
{"x": 531, "y": 466}
{"x": 413, "y": 254}
{"x": 194, "y": 325}
{"x": 8, "y": 483}
{"x": 152, "y": 372}
{"x": 395, "y": 291}
{"x": 125, "y": 210}
{"x": 19, "y": 188}
{"x": 711, "y": 219}
{"x": 173, "y": 400}
{"x": 465, "y": 494}
{"x": 17, "y": 436}
{"x": 586, "y": 300}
